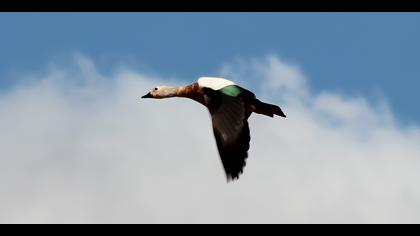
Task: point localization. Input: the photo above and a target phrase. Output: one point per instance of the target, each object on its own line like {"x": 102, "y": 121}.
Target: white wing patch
{"x": 214, "y": 83}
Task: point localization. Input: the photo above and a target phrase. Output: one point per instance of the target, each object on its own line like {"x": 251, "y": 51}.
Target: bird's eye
{"x": 156, "y": 88}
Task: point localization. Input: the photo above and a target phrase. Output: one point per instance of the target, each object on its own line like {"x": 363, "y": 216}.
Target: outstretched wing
{"x": 230, "y": 129}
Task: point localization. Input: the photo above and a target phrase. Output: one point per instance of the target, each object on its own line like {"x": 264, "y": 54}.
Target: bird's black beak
{"x": 147, "y": 96}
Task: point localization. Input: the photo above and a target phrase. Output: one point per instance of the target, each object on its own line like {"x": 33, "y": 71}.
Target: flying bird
{"x": 230, "y": 106}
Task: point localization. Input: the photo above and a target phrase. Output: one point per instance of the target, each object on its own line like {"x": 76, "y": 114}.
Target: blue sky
{"x": 354, "y": 53}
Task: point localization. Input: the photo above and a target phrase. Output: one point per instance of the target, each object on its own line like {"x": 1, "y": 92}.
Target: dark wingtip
{"x": 230, "y": 178}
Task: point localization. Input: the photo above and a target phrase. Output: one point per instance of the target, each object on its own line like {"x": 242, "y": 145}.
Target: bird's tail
{"x": 267, "y": 109}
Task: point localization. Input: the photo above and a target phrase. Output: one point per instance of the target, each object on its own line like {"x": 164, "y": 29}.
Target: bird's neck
{"x": 186, "y": 91}
{"x": 191, "y": 91}
{"x": 181, "y": 91}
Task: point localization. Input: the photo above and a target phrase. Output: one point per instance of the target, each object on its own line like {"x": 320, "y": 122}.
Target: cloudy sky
{"x": 79, "y": 146}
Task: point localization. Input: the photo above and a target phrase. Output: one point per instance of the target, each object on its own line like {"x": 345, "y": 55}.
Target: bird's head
{"x": 161, "y": 92}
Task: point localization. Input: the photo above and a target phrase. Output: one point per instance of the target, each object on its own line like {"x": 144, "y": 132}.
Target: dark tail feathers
{"x": 267, "y": 109}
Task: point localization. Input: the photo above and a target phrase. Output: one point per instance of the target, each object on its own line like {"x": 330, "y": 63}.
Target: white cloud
{"x": 78, "y": 146}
